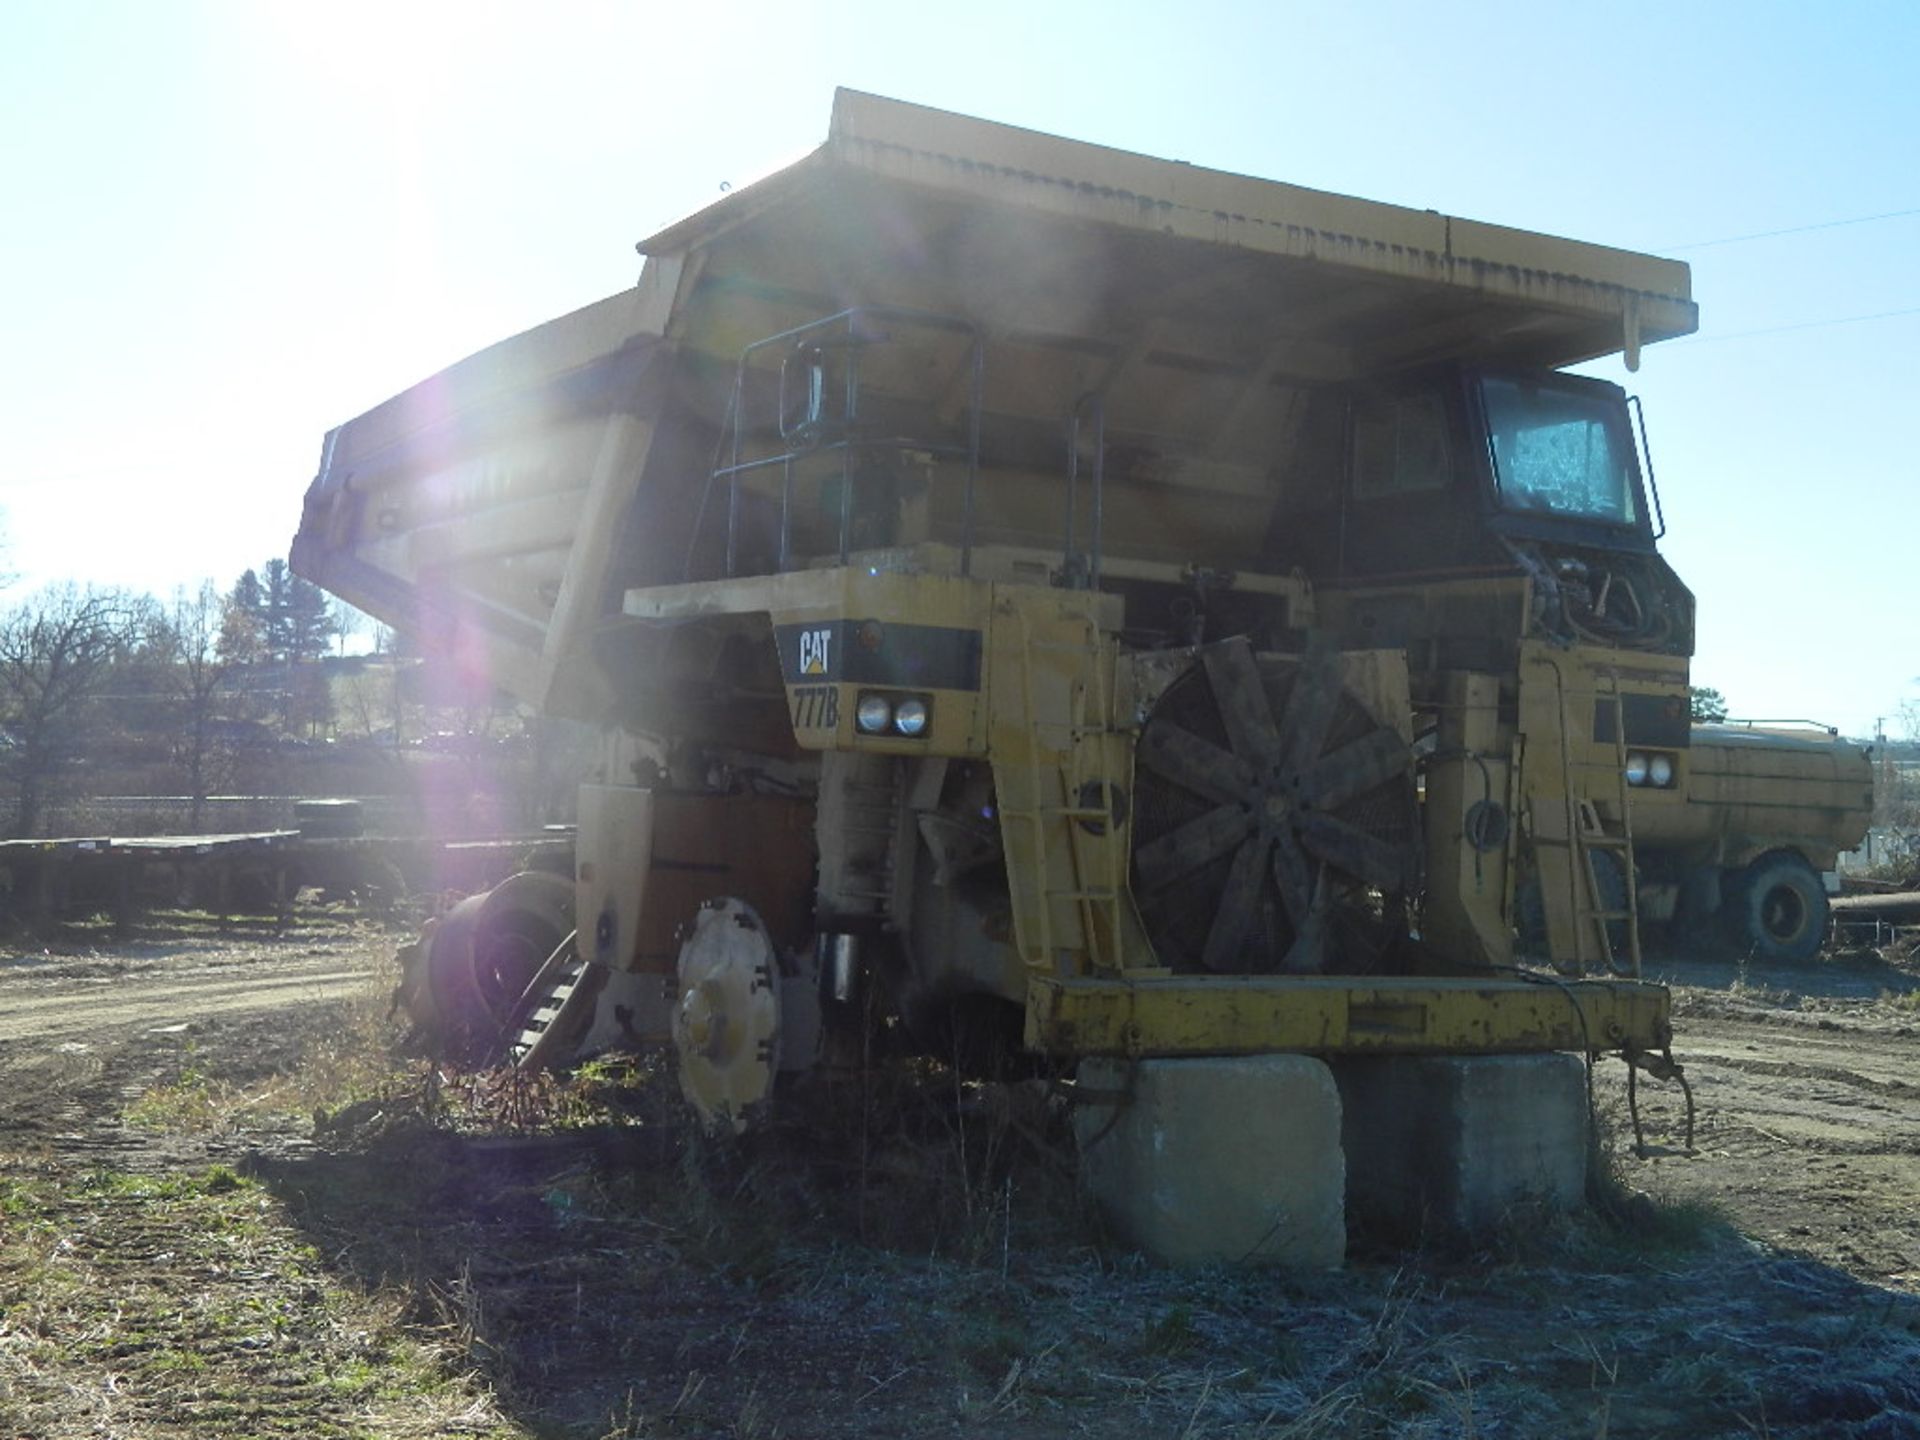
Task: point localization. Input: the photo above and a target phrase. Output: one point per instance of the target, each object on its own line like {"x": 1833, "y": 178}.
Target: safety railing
{"x": 811, "y": 376}
{"x": 817, "y": 403}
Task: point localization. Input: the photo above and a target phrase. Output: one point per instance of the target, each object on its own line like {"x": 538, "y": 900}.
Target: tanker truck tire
{"x": 1776, "y": 909}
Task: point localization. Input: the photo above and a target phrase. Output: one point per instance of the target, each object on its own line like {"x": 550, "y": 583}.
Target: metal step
{"x": 551, "y": 993}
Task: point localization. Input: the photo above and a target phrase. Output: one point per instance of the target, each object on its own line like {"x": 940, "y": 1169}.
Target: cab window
{"x": 1400, "y": 446}
{"x": 1559, "y": 453}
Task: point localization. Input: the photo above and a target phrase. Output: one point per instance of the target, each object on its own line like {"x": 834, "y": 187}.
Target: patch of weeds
{"x": 1170, "y": 1333}
{"x": 1624, "y": 1225}
{"x": 352, "y": 1060}
{"x": 216, "y": 1180}
{"x": 192, "y": 1102}
{"x": 25, "y": 1199}
{"x": 988, "y": 1343}
{"x": 1622, "y": 1222}
{"x": 621, "y": 1089}
{"x": 173, "y": 1361}
{"x": 354, "y": 1376}
{"x": 1708, "y": 1375}
{"x": 349, "y": 1061}
{"x": 506, "y": 1101}
{"x": 1769, "y": 995}
{"x": 180, "y": 1294}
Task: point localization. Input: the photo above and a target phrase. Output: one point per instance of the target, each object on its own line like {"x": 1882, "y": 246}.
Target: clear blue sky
{"x": 230, "y": 226}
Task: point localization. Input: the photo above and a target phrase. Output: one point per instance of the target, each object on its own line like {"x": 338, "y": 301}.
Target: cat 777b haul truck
{"x": 1061, "y": 602}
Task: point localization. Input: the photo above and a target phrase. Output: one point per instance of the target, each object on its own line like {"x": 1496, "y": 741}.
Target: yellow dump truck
{"x": 1053, "y": 602}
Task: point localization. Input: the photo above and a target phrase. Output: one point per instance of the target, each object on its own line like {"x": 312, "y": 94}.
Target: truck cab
{"x": 1505, "y": 522}
{"x": 1528, "y": 481}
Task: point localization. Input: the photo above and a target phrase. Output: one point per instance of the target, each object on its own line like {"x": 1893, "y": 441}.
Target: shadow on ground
{"x": 636, "y": 1281}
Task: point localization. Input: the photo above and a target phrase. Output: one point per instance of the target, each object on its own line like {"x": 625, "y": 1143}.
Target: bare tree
{"x": 55, "y": 649}
{"x": 345, "y": 622}
{"x": 195, "y": 643}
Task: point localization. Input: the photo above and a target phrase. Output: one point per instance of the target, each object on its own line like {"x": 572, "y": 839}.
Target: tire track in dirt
{"x": 113, "y": 1006}
{"x": 1809, "y": 1128}
{"x": 1803, "y": 1070}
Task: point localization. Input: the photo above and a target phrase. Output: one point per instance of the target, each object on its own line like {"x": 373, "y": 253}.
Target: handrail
{"x": 1097, "y": 403}
{"x": 1646, "y": 459}
{"x": 804, "y": 438}
{"x": 1743, "y": 722}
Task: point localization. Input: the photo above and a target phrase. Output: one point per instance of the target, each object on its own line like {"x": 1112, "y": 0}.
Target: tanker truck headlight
{"x": 1660, "y": 770}
{"x": 1636, "y": 769}
{"x": 873, "y": 714}
{"x": 910, "y": 717}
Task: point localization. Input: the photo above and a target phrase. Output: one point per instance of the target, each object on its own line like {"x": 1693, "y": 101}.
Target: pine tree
{"x": 248, "y": 598}
{"x": 277, "y": 609}
{"x": 310, "y": 620}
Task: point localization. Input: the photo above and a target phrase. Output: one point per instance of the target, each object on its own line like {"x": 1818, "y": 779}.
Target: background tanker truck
{"x": 1053, "y": 604}
{"x": 1742, "y": 851}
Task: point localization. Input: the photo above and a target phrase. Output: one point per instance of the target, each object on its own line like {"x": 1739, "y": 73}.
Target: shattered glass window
{"x": 1560, "y": 453}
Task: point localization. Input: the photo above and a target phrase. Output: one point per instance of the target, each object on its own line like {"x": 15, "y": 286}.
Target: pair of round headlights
{"x": 1654, "y": 770}
{"x": 881, "y": 715}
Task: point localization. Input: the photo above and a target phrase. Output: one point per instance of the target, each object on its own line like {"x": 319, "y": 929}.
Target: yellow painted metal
{"x": 491, "y": 499}
{"x": 1467, "y": 914}
{"x": 856, "y": 594}
{"x": 726, "y": 1023}
{"x": 613, "y": 859}
{"x": 1573, "y": 796}
{"x": 1740, "y": 791}
{"x": 484, "y": 524}
{"x": 1204, "y": 310}
{"x": 1112, "y": 223}
{"x": 1052, "y": 735}
{"x": 1219, "y": 1015}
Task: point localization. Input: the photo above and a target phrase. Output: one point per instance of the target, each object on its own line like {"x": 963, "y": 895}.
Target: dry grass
{"x": 182, "y": 1305}
{"x": 448, "y": 1253}
{"x": 354, "y": 1058}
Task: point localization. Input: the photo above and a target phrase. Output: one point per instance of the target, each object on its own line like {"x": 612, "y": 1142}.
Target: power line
{"x": 1790, "y": 230}
{"x": 1801, "y": 325}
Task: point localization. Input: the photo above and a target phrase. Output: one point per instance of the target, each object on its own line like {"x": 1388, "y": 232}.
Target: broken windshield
{"x": 1559, "y": 452}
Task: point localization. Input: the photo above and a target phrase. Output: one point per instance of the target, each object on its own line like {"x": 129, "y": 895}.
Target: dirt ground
{"x": 188, "y": 1248}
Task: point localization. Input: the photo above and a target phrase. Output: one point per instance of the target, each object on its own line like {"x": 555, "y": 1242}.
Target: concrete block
{"x": 1447, "y": 1147}
{"x": 1219, "y": 1160}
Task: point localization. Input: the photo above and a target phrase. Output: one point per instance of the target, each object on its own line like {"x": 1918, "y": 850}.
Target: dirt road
{"x": 550, "y": 1297}
{"x": 85, "y": 1032}
{"x": 1808, "y": 1084}
{"x": 142, "y": 1001}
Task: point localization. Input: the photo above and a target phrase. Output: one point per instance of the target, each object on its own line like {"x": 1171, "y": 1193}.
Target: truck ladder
{"x": 1588, "y": 837}
{"x": 1591, "y": 836}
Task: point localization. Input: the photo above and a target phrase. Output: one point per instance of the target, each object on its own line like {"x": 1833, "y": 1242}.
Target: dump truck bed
{"x": 503, "y": 506}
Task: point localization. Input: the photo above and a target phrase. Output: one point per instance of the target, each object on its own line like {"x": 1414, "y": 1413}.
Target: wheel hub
{"x": 726, "y": 1026}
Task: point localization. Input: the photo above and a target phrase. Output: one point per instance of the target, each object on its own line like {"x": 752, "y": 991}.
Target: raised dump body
{"x": 1133, "y": 600}
{"x": 514, "y": 497}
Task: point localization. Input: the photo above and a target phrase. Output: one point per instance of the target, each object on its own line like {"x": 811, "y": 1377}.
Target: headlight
{"x": 1636, "y": 769}
{"x": 910, "y": 717}
{"x": 1660, "y": 770}
{"x": 873, "y": 714}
